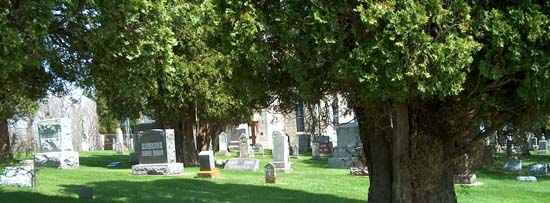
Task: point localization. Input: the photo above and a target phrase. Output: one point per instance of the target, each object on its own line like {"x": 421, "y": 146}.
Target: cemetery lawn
{"x": 311, "y": 181}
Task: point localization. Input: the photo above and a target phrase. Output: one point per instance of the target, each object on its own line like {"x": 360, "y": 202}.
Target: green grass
{"x": 311, "y": 181}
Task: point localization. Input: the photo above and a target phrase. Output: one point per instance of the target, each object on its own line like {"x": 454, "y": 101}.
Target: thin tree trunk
{"x": 5, "y": 145}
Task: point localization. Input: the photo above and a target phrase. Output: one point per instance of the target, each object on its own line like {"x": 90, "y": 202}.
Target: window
{"x": 300, "y": 127}
{"x": 335, "y": 111}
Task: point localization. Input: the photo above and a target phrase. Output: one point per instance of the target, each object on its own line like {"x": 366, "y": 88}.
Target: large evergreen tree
{"x": 421, "y": 76}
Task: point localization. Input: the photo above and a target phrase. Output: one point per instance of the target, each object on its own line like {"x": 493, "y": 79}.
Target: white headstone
{"x": 222, "y": 143}
{"x": 281, "y": 151}
{"x": 243, "y": 146}
{"x": 119, "y": 140}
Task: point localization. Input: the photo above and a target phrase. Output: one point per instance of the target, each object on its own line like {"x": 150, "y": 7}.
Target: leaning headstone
{"x": 315, "y": 151}
{"x": 512, "y": 165}
{"x": 55, "y": 146}
{"x": 270, "y": 173}
{"x": 222, "y": 143}
{"x": 20, "y": 176}
{"x": 242, "y": 164}
{"x": 243, "y": 146}
{"x": 543, "y": 146}
{"x": 157, "y": 155}
{"x": 281, "y": 152}
{"x": 86, "y": 193}
{"x": 207, "y": 165}
{"x": 527, "y": 178}
{"x": 538, "y": 169}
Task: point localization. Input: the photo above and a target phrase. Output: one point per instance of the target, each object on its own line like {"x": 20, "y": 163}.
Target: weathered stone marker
{"x": 270, "y": 173}
{"x": 242, "y": 164}
{"x": 119, "y": 141}
{"x": 157, "y": 155}
{"x": 538, "y": 169}
{"x": 315, "y": 153}
{"x": 281, "y": 152}
{"x": 207, "y": 167}
{"x": 244, "y": 152}
{"x": 55, "y": 146}
{"x": 222, "y": 143}
{"x": 261, "y": 149}
{"x": 512, "y": 165}
{"x": 86, "y": 193}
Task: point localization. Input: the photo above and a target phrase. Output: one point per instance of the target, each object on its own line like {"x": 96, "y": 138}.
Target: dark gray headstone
{"x": 206, "y": 160}
{"x": 153, "y": 147}
{"x": 86, "y": 193}
{"x": 512, "y": 165}
{"x": 538, "y": 169}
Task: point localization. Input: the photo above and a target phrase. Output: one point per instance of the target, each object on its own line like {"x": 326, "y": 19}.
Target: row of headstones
{"x": 535, "y": 169}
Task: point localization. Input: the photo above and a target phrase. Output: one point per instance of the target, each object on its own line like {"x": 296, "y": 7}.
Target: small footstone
{"x": 86, "y": 193}
{"x": 527, "y": 178}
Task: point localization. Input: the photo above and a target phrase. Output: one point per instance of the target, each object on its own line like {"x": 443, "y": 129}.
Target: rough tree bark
{"x": 407, "y": 162}
{"x": 185, "y": 142}
{"x": 5, "y": 145}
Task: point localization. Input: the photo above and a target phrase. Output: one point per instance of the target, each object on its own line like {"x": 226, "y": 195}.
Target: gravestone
{"x": 538, "y": 169}
{"x": 543, "y": 146}
{"x": 344, "y": 155}
{"x": 532, "y": 143}
{"x": 207, "y": 166}
{"x": 295, "y": 151}
{"x": 261, "y": 149}
{"x": 270, "y": 173}
{"x": 119, "y": 141}
{"x": 222, "y": 143}
{"x": 55, "y": 147}
{"x": 325, "y": 145}
{"x": 242, "y": 164}
{"x": 244, "y": 151}
{"x": 281, "y": 152}
{"x": 235, "y": 138}
{"x": 157, "y": 154}
{"x": 527, "y": 178}
{"x": 512, "y": 165}
{"x": 315, "y": 151}
{"x": 20, "y": 176}
{"x": 86, "y": 193}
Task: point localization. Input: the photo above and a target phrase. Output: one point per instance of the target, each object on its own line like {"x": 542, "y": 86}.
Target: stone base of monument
{"x": 20, "y": 176}
{"x": 281, "y": 166}
{"x": 214, "y": 173}
{"x": 342, "y": 162}
{"x": 543, "y": 151}
{"x": 63, "y": 160}
{"x": 158, "y": 169}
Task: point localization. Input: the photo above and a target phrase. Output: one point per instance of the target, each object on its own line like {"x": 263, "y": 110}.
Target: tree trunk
{"x": 407, "y": 162}
{"x": 5, "y": 145}
{"x": 185, "y": 142}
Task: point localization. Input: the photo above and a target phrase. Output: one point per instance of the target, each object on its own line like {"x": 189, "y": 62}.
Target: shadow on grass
{"x": 103, "y": 160}
{"x": 320, "y": 163}
{"x": 197, "y": 190}
{"x": 24, "y": 196}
